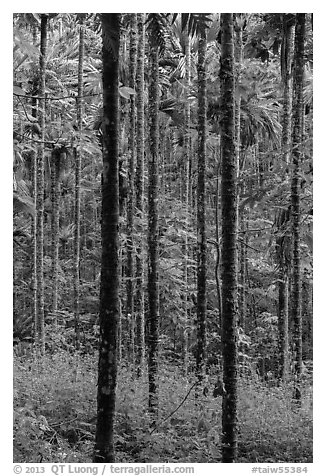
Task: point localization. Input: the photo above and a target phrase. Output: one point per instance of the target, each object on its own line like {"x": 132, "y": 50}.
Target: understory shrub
{"x": 55, "y": 416}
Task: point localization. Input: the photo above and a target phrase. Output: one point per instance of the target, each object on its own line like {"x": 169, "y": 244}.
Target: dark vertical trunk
{"x": 282, "y": 241}
{"x": 201, "y": 206}
{"x": 39, "y": 328}
{"x": 153, "y": 318}
{"x": 229, "y": 235}
{"x": 58, "y": 157}
{"x": 186, "y": 178}
{"x": 238, "y": 56}
{"x": 242, "y": 279}
{"x": 78, "y": 151}
{"x": 140, "y": 128}
{"x": 131, "y": 177}
{"x": 217, "y": 244}
{"x": 34, "y": 241}
{"x": 297, "y": 155}
{"x": 109, "y": 290}
{"x": 283, "y": 324}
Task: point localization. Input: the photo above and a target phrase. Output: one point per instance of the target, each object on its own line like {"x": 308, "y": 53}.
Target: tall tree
{"x": 238, "y": 23}
{"x": 201, "y": 202}
{"x": 154, "y": 21}
{"x": 139, "y": 192}
{"x": 187, "y": 159}
{"x": 39, "y": 325}
{"x": 297, "y": 156}
{"x": 229, "y": 235}
{"x": 78, "y": 152}
{"x": 282, "y": 218}
{"x": 109, "y": 289}
{"x": 131, "y": 178}
{"x": 58, "y": 159}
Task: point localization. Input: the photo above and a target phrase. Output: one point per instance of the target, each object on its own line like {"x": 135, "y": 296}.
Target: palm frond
{"x": 23, "y": 204}
{"x": 192, "y": 22}
{"x": 157, "y": 29}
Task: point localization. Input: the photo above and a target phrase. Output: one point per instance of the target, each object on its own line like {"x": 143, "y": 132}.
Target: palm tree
{"x": 58, "y": 156}
{"x": 187, "y": 158}
{"x": 78, "y": 150}
{"x": 139, "y": 179}
{"x": 39, "y": 324}
{"x": 109, "y": 289}
{"x": 131, "y": 177}
{"x": 288, "y": 22}
{"x": 201, "y": 203}
{"x": 229, "y": 235}
{"x": 155, "y": 27}
{"x": 297, "y": 156}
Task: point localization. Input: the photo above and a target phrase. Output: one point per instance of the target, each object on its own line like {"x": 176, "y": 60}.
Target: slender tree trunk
{"x": 201, "y": 206}
{"x": 242, "y": 279}
{"x": 131, "y": 178}
{"x": 153, "y": 314}
{"x": 283, "y": 324}
{"x": 39, "y": 328}
{"x": 229, "y": 236}
{"x": 34, "y": 242}
{"x": 58, "y": 158}
{"x": 297, "y": 155}
{"x": 78, "y": 150}
{"x": 109, "y": 290}
{"x": 187, "y": 169}
{"x": 217, "y": 245}
{"x": 140, "y": 132}
{"x": 282, "y": 218}
{"x": 238, "y": 57}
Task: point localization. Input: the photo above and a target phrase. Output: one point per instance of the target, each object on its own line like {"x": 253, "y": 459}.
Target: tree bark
{"x": 131, "y": 178}
{"x": 229, "y": 235}
{"x": 109, "y": 290}
{"x": 78, "y": 158}
{"x": 140, "y": 133}
{"x": 153, "y": 317}
{"x": 201, "y": 206}
{"x": 39, "y": 327}
{"x": 58, "y": 157}
{"x": 297, "y": 156}
{"x": 282, "y": 241}
{"x": 187, "y": 196}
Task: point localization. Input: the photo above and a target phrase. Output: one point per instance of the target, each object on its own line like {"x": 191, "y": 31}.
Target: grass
{"x": 55, "y": 416}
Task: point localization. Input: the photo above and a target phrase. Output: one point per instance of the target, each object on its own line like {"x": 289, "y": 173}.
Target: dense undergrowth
{"x": 55, "y": 416}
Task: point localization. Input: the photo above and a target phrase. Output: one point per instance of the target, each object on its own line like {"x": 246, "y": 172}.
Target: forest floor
{"x": 55, "y": 415}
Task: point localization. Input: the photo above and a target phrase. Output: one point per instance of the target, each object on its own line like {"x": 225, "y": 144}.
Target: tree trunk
{"x": 131, "y": 177}
{"x": 242, "y": 279}
{"x": 187, "y": 196}
{"x": 283, "y": 324}
{"x": 153, "y": 317}
{"x": 58, "y": 157}
{"x": 282, "y": 241}
{"x": 39, "y": 328}
{"x": 297, "y": 155}
{"x": 140, "y": 128}
{"x": 34, "y": 242}
{"x": 109, "y": 290}
{"x": 201, "y": 206}
{"x": 78, "y": 150}
{"x": 238, "y": 21}
{"x": 229, "y": 235}
{"x": 217, "y": 244}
